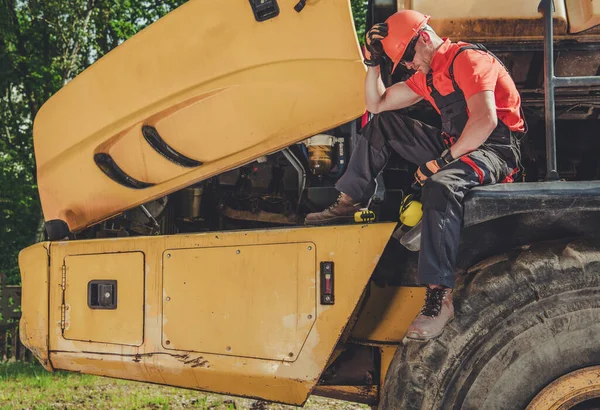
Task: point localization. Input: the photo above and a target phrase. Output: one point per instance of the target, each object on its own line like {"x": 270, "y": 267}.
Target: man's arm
{"x": 381, "y": 99}
{"x": 483, "y": 119}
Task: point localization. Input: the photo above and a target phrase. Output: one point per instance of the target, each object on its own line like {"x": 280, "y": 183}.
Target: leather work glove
{"x": 373, "y": 44}
{"x": 431, "y": 167}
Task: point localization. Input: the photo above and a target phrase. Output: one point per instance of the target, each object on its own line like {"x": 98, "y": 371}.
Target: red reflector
{"x": 327, "y": 296}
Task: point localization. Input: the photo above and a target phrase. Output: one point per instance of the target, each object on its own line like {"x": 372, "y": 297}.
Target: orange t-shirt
{"x": 474, "y": 71}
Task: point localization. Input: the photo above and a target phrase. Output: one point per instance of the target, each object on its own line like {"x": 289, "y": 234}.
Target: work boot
{"x": 436, "y": 313}
{"x": 341, "y": 211}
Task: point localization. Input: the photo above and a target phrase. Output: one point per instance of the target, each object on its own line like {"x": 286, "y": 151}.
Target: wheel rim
{"x": 569, "y": 391}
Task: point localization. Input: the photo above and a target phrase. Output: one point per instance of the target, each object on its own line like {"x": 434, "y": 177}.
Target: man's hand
{"x": 429, "y": 168}
{"x": 373, "y": 44}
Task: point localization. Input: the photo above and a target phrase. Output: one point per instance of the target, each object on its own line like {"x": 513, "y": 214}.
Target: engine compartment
{"x": 279, "y": 189}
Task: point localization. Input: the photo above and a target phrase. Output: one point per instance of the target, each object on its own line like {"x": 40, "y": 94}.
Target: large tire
{"x": 522, "y": 320}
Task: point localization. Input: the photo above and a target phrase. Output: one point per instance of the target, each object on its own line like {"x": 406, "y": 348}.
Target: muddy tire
{"x": 522, "y": 320}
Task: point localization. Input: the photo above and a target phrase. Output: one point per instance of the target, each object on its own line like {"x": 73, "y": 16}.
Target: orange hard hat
{"x": 402, "y": 27}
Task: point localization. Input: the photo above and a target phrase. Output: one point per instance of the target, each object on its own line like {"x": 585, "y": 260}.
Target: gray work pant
{"x": 442, "y": 194}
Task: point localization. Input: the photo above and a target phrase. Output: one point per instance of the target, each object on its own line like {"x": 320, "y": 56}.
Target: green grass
{"x": 30, "y": 386}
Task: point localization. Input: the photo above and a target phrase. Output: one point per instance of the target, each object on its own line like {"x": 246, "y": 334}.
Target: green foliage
{"x": 359, "y": 12}
{"x": 43, "y": 45}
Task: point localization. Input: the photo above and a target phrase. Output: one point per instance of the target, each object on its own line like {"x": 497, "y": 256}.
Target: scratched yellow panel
{"x": 250, "y": 301}
{"x": 354, "y": 249}
{"x": 123, "y": 325}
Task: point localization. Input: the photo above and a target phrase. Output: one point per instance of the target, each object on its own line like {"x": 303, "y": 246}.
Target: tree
{"x": 43, "y": 45}
{"x": 359, "y": 12}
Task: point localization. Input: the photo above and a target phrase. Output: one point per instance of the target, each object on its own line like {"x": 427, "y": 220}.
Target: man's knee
{"x": 384, "y": 127}
{"x": 437, "y": 190}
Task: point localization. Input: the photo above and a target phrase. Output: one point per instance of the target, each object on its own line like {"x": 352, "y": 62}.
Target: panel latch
{"x": 264, "y": 9}
{"x": 102, "y": 294}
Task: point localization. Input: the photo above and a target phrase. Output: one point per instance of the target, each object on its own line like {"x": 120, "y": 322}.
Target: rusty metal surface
{"x": 569, "y": 390}
{"x": 359, "y": 394}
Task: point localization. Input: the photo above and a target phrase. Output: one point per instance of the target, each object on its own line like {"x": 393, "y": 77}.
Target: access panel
{"x": 104, "y": 298}
{"x": 251, "y": 301}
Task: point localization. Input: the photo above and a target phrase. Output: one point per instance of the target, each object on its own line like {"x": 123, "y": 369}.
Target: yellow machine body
{"x": 236, "y": 313}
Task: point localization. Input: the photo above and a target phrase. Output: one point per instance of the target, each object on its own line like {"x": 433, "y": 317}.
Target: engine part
{"x": 151, "y": 218}
{"x": 341, "y": 159}
{"x": 320, "y": 153}
{"x": 137, "y": 219}
{"x": 191, "y": 199}
{"x": 299, "y": 168}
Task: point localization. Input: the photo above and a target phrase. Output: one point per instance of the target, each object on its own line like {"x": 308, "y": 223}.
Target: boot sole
{"x": 427, "y": 338}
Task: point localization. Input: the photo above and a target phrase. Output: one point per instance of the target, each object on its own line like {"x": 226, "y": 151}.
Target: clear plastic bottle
{"x": 411, "y": 240}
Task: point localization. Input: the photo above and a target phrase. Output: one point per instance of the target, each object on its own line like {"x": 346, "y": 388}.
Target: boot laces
{"x": 336, "y": 203}
{"x": 434, "y": 299}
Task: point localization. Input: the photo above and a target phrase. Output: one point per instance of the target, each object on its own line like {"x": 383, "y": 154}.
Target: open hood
{"x": 205, "y": 89}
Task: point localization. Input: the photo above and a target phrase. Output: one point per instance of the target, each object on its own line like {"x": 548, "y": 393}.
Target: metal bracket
{"x": 300, "y": 6}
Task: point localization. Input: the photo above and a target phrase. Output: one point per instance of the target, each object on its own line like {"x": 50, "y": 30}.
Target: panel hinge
{"x": 62, "y": 317}
{"x": 64, "y": 278}
{"x": 62, "y": 306}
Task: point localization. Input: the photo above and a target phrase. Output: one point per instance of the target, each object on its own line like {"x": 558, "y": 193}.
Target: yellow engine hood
{"x": 215, "y": 87}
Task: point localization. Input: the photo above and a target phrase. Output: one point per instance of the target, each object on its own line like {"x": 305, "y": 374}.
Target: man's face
{"x": 424, "y": 52}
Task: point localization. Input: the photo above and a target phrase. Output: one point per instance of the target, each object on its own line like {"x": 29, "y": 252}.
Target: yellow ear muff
{"x": 411, "y": 211}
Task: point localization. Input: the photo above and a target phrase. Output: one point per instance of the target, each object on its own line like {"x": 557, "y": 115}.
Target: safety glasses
{"x": 409, "y": 53}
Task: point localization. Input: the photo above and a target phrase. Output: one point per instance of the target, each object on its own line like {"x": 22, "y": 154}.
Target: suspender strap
{"x": 476, "y": 46}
